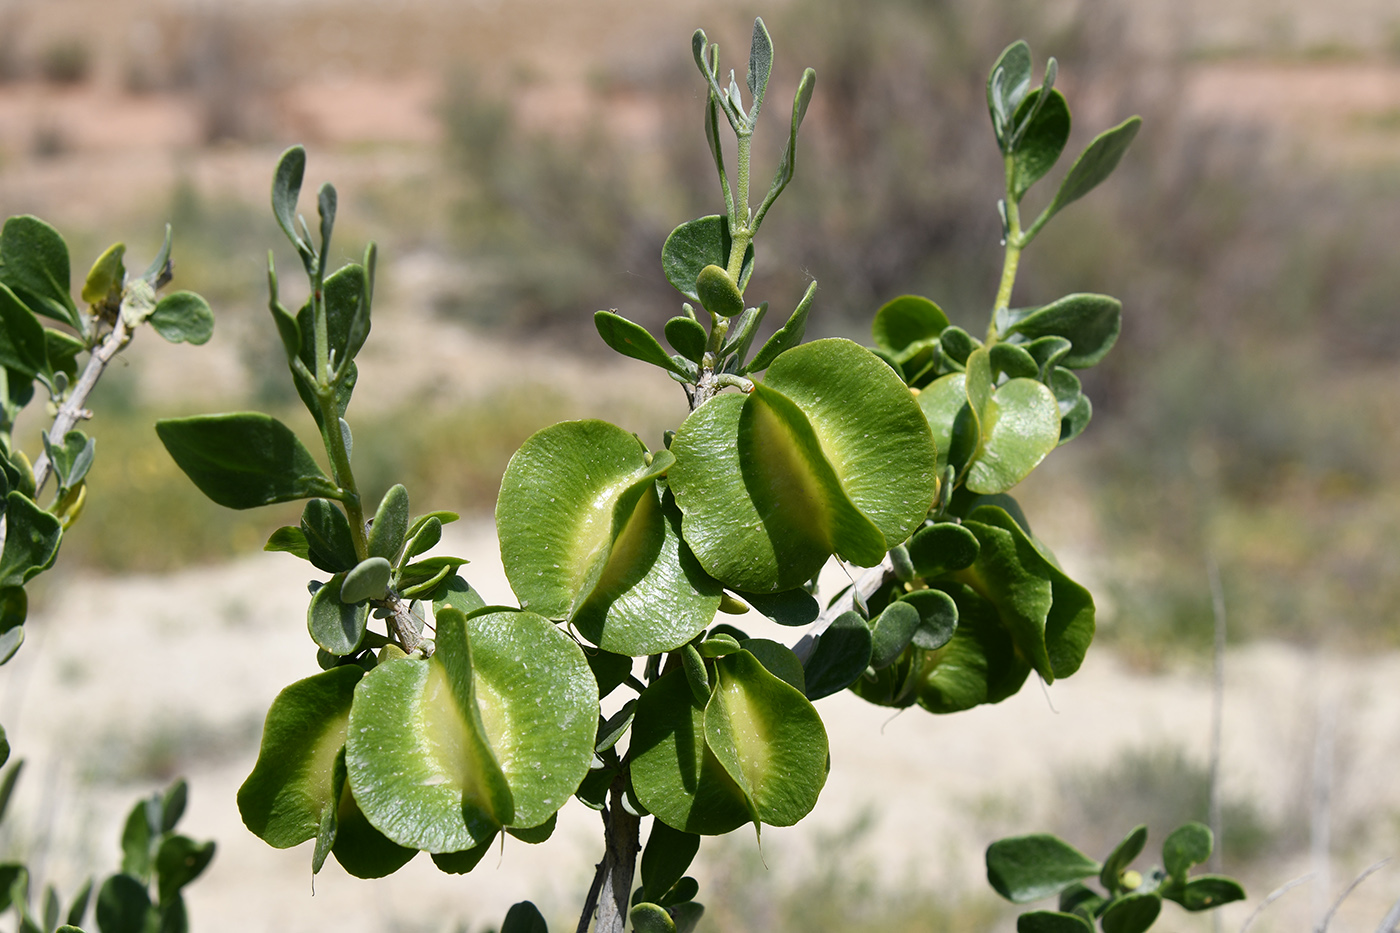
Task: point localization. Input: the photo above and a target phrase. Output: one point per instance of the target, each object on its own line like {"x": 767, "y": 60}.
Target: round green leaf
{"x": 1207, "y": 891}
{"x": 180, "y": 860}
{"x": 369, "y": 579}
{"x": 335, "y": 625}
{"x": 32, "y": 537}
{"x": 979, "y": 664}
{"x": 938, "y": 618}
{"x": 779, "y": 660}
{"x": 1189, "y": 845}
{"x": 942, "y": 548}
{"x": 326, "y": 534}
{"x": 124, "y": 906}
{"x": 34, "y": 262}
{"x": 891, "y": 632}
{"x": 1132, "y": 914}
{"x": 687, "y": 337}
{"x": 285, "y": 798}
{"x": 1020, "y": 425}
{"x": 634, "y": 340}
{"x": 1052, "y": 921}
{"x": 905, "y": 320}
{"x": 183, "y": 317}
{"x": 696, "y": 244}
{"x": 496, "y": 729}
{"x": 841, "y": 655}
{"x": 1027, "y": 868}
{"x": 667, "y": 855}
{"x": 390, "y": 527}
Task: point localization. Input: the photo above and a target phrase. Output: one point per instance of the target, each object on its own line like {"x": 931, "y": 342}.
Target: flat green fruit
{"x": 757, "y": 752}
{"x": 286, "y": 797}
{"x": 494, "y": 730}
{"x": 586, "y": 537}
{"x": 830, "y": 454}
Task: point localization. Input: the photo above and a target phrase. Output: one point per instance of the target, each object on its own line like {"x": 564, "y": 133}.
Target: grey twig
{"x": 867, "y": 586}
{"x": 1274, "y": 895}
{"x": 1327, "y": 918}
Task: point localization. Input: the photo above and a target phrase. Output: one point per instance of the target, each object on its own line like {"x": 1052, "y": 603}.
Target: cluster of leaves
{"x": 1030, "y": 868}
{"x": 896, "y": 459}
{"x": 155, "y": 859}
{"x": 67, "y": 361}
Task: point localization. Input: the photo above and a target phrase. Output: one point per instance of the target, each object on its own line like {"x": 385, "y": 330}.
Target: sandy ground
{"x": 124, "y": 679}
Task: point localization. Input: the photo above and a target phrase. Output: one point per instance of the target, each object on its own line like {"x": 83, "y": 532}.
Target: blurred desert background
{"x": 519, "y": 163}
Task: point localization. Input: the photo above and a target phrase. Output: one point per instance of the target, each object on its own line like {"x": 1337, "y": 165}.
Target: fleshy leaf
{"x": 944, "y": 404}
{"x": 1090, "y": 322}
{"x": 1020, "y": 425}
{"x": 390, "y": 528}
{"x": 1189, "y": 845}
{"x": 905, "y": 320}
{"x": 1007, "y": 86}
{"x": 667, "y": 855}
{"x": 1041, "y": 142}
{"x": 1027, "y": 868}
{"x": 942, "y": 548}
{"x": 938, "y": 618}
{"x": 335, "y": 625}
{"x": 1207, "y": 891}
{"x": 326, "y": 533}
{"x": 841, "y": 655}
{"x": 787, "y": 336}
{"x": 1134, "y": 913}
{"x": 23, "y": 346}
{"x": 979, "y": 664}
{"x": 524, "y": 917}
{"x": 34, "y": 263}
{"x": 179, "y": 861}
{"x": 183, "y": 317}
{"x": 717, "y": 292}
{"x": 1094, "y": 164}
{"x": 1121, "y": 857}
{"x": 32, "y": 537}
{"x": 633, "y": 340}
{"x": 891, "y": 632}
{"x": 244, "y": 459}
{"x": 1052, "y": 921}
{"x": 696, "y": 244}
{"x": 687, "y": 337}
{"x": 369, "y": 579}
{"x": 285, "y": 799}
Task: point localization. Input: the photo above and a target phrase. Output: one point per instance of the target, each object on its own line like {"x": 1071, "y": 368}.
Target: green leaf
{"x": 1205, "y": 892}
{"x": 423, "y": 537}
{"x": 1094, "y": 164}
{"x": 1189, "y": 845}
{"x": 172, "y": 804}
{"x": 1014, "y": 361}
{"x": 328, "y": 541}
{"x": 938, "y": 618}
{"x": 72, "y": 459}
{"x": 760, "y": 66}
{"x": 286, "y": 188}
{"x": 336, "y": 626}
{"x": 1132, "y": 914}
{"x": 23, "y": 346}
{"x": 106, "y": 277}
{"x": 123, "y": 906}
{"x": 609, "y": 669}
{"x": 34, "y": 263}
{"x": 7, "y": 785}
{"x": 244, "y": 459}
{"x": 1041, "y": 142}
{"x": 942, "y": 548}
{"x": 742, "y": 331}
{"x": 979, "y": 664}
{"x": 667, "y": 855}
{"x": 891, "y": 632}
{"x": 1027, "y": 868}
{"x": 841, "y": 655}
{"x": 32, "y": 537}
{"x": 137, "y": 839}
{"x": 423, "y": 577}
{"x": 787, "y": 336}
{"x": 906, "y": 320}
{"x": 179, "y": 861}
{"x": 1075, "y": 408}
{"x": 4, "y": 748}
{"x": 1068, "y": 623}
{"x": 344, "y": 293}
{"x": 292, "y": 540}
{"x": 368, "y": 580}
{"x": 496, "y": 729}
{"x": 687, "y": 337}
{"x": 1121, "y": 857}
{"x": 694, "y": 245}
{"x": 686, "y": 915}
{"x": 183, "y": 317}
{"x": 1007, "y": 86}
{"x": 286, "y": 798}
{"x": 77, "y": 910}
{"x": 62, "y": 351}
{"x": 717, "y": 292}
{"x": 524, "y": 917}
{"x": 633, "y": 340}
{"x": 788, "y": 164}
{"x": 585, "y": 536}
{"x": 1051, "y": 921}
{"x": 325, "y": 207}
{"x": 830, "y": 454}
{"x": 390, "y": 527}
{"x": 1090, "y": 322}
{"x": 651, "y": 918}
